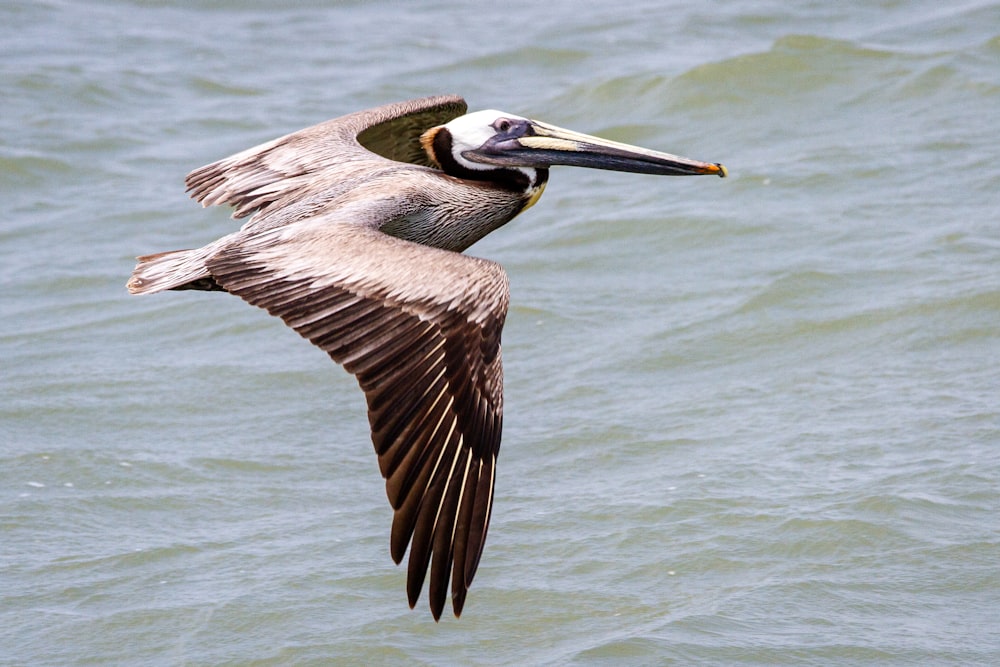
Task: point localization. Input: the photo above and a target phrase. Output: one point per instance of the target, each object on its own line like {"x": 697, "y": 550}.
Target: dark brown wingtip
{"x": 458, "y": 601}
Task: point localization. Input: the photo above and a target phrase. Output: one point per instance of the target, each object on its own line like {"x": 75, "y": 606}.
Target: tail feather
{"x": 173, "y": 270}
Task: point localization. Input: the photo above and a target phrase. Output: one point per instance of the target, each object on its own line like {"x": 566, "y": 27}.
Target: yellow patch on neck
{"x": 427, "y": 141}
{"x": 534, "y": 195}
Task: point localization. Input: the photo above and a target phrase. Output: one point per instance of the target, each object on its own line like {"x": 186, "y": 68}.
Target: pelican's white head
{"x": 475, "y": 130}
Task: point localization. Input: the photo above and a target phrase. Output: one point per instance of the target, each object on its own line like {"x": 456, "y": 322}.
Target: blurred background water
{"x": 751, "y": 421}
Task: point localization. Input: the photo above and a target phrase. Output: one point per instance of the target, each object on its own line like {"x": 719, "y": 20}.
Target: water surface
{"x": 751, "y": 421}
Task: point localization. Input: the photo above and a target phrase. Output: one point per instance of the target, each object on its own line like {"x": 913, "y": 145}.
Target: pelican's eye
{"x": 510, "y": 128}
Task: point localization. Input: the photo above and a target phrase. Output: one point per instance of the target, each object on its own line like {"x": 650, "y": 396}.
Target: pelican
{"x": 355, "y": 239}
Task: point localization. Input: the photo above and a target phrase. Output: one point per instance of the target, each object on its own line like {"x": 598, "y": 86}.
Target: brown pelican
{"x": 354, "y": 241}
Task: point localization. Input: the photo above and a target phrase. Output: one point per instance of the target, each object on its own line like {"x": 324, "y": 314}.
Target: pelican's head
{"x": 484, "y": 141}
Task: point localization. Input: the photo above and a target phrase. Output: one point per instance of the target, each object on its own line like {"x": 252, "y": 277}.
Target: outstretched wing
{"x": 252, "y": 180}
{"x": 420, "y": 329}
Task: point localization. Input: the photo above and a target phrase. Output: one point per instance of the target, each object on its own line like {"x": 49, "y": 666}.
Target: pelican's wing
{"x": 257, "y": 177}
{"x": 420, "y": 328}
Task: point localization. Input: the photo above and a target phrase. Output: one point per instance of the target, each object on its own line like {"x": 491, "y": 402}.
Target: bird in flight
{"x": 355, "y": 238}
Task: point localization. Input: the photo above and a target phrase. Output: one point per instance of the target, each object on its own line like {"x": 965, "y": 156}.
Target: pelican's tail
{"x": 173, "y": 270}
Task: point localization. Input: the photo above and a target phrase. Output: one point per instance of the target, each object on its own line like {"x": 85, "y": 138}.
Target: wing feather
{"x": 427, "y": 516}
{"x": 286, "y": 167}
{"x": 420, "y": 329}
{"x": 444, "y": 529}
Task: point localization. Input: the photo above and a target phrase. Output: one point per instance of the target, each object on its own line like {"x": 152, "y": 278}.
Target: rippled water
{"x": 748, "y": 421}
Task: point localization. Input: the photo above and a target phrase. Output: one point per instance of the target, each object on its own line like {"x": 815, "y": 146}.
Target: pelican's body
{"x": 355, "y": 238}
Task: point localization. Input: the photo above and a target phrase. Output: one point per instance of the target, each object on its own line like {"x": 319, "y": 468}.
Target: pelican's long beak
{"x": 543, "y": 145}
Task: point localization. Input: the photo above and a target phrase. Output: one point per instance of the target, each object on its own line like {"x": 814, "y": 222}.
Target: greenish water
{"x": 751, "y": 421}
